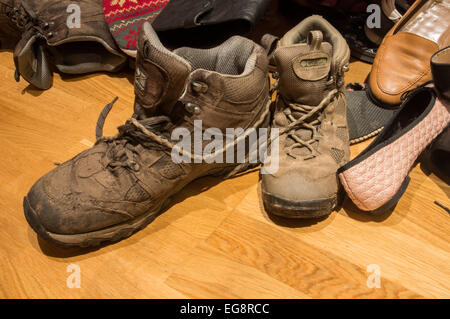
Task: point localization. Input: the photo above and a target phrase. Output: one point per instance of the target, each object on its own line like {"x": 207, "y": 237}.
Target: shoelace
{"x": 301, "y": 122}
{"x": 121, "y": 147}
{"x": 19, "y": 16}
{"x": 147, "y": 135}
{"x": 25, "y": 18}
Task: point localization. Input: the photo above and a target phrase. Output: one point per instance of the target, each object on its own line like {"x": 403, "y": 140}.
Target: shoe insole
{"x": 365, "y": 119}
{"x": 431, "y": 21}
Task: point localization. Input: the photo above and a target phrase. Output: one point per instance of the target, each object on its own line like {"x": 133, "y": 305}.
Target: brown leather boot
{"x": 310, "y": 112}
{"x": 122, "y": 183}
{"x": 71, "y": 37}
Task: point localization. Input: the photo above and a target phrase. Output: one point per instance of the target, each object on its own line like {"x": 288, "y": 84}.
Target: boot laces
{"x": 304, "y": 121}
{"x": 148, "y": 133}
{"x": 25, "y": 18}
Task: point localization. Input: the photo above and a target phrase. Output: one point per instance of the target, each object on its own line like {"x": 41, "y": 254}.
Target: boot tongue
{"x": 160, "y": 75}
{"x": 304, "y": 70}
{"x": 31, "y": 62}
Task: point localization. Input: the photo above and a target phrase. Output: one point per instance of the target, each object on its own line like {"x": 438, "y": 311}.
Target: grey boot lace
{"x": 304, "y": 122}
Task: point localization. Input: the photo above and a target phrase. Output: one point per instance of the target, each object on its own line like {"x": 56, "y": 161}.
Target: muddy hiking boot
{"x": 310, "y": 113}
{"x": 123, "y": 182}
{"x": 62, "y": 35}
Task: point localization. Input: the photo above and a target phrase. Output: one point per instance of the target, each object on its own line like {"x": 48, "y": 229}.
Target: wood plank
{"x": 215, "y": 240}
{"x": 208, "y": 273}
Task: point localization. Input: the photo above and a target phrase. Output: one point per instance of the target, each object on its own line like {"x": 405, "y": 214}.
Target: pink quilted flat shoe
{"x": 377, "y": 178}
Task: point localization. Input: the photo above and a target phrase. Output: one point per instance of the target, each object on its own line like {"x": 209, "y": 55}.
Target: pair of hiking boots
{"x": 118, "y": 186}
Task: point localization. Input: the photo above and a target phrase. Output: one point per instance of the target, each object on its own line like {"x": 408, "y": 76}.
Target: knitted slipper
{"x": 125, "y": 17}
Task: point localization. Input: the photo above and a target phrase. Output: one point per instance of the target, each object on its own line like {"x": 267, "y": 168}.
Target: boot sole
{"x": 117, "y": 232}
{"x": 299, "y": 209}
{"x": 94, "y": 238}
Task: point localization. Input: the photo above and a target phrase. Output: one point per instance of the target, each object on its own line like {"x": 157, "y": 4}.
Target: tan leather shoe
{"x": 403, "y": 60}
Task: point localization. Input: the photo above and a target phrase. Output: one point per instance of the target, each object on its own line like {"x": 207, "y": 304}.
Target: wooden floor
{"x": 216, "y": 241}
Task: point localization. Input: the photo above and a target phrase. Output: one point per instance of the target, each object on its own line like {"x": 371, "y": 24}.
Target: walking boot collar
{"x": 160, "y": 75}
{"x": 190, "y": 75}
{"x": 341, "y": 52}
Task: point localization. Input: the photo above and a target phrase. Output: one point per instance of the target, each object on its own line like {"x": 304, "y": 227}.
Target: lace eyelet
{"x": 134, "y": 166}
{"x": 199, "y": 87}
{"x": 192, "y": 108}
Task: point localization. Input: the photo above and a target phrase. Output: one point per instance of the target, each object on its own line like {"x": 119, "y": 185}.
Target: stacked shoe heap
{"x": 117, "y": 187}
{"x": 377, "y": 178}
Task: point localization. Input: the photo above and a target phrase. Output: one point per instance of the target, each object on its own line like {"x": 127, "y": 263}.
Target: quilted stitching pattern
{"x": 374, "y": 181}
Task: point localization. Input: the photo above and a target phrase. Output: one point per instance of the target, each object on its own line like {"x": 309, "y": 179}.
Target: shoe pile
{"x": 122, "y": 183}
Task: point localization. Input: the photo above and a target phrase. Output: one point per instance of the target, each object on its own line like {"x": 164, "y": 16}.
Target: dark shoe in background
{"x": 52, "y": 38}
{"x": 203, "y": 23}
{"x": 122, "y": 183}
{"x": 440, "y": 69}
{"x": 310, "y": 113}
{"x": 9, "y": 27}
{"x": 437, "y": 157}
{"x": 352, "y": 29}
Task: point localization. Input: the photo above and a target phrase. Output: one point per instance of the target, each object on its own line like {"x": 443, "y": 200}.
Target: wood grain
{"x": 216, "y": 240}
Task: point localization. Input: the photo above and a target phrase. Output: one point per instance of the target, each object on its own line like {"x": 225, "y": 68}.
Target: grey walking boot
{"x": 310, "y": 113}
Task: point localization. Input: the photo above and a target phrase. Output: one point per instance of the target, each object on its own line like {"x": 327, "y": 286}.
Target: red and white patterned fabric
{"x": 125, "y": 17}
